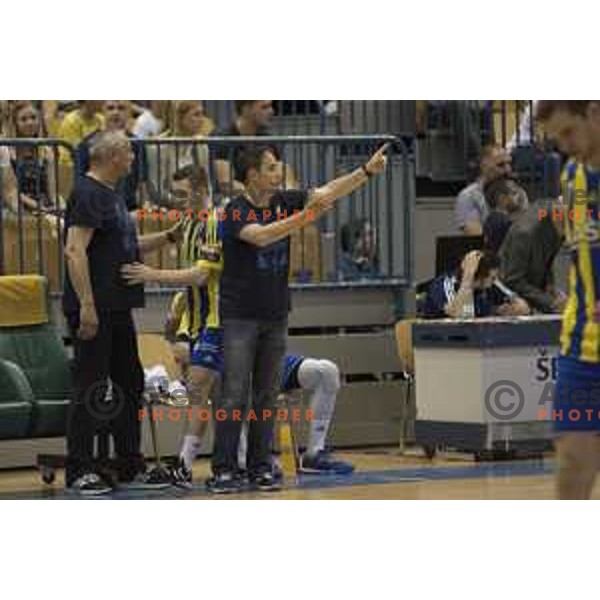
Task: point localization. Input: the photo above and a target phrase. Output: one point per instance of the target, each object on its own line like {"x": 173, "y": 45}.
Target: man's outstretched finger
{"x": 383, "y": 148}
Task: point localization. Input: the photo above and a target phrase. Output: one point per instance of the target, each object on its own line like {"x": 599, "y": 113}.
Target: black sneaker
{"x": 90, "y": 484}
{"x": 268, "y": 481}
{"x": 152, "y": 479}
{"x": 181, "y": 476}
{"x": 224, "y": 483}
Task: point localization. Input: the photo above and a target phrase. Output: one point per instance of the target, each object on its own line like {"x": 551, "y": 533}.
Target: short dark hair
{"x": 546, "y": 108}
{"x": 499, "y": 188}
{"x": 195, "y": 173}
{"x": 487, "y": 263}
{"x": 350, "y": 234}
{"x": 250, "y": 158}
{"x": 240, "y": 104}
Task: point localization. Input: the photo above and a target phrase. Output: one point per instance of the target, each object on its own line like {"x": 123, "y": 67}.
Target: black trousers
{"x": 113, "y": 354}
{"x": 253, "y": 353}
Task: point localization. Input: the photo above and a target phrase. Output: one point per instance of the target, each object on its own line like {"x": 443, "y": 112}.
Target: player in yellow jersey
{"x": 198, "y": 325}
{"x": 575, "y": 126}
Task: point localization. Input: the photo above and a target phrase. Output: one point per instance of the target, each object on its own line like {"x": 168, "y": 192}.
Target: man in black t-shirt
{"x": 100, "y": 237}
{"x": 255, "y": 302}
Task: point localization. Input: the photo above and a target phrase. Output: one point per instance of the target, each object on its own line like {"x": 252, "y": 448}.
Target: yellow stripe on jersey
{"x": 570, "y": 313}
{"x": 203, "y": 303}
{"x": 580, "y": 337}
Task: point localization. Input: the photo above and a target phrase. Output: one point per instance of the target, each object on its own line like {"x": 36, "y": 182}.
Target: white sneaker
{"x": 90, "y": 484}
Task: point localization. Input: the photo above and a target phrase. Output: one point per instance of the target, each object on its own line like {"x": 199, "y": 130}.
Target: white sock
{"x": 322, "y": 379}
{"x": 189, "y": 450}
{"x": 243, "y": 446}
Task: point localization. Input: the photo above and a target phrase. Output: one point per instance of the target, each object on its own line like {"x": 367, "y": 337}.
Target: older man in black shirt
{"x": 100, "y": 238}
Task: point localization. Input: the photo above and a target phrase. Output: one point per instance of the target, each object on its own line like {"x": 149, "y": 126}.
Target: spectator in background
{"x": 359, "y": 251}
{"x": 79, "y": 123}
{"x": 253, "y": 118}
{"x": 164, "y": 160}
{"x": 524, "y": 135}
{"x": 527, "y": 258}
{"x": 8, "y": 182}
{"x": 116, "y": 117}
{"x": 154, "y": 120}
{"x": 33, "y": 166}
{"x": 474, "y": 291}
{"x": 471, "y": 208}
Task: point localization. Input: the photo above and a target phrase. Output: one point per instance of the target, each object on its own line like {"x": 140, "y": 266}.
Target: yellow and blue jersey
{"x": 202, "y": 309}
{"x": 580, "y": 337}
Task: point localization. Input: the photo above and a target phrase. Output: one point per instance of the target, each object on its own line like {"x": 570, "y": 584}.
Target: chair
{"x": 34, "y": 367}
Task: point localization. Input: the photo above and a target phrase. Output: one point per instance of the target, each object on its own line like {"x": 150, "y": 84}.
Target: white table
{"x": 485, "y": 385}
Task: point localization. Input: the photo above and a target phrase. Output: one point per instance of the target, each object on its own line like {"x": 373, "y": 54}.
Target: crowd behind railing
{"x": 45, "y": 145}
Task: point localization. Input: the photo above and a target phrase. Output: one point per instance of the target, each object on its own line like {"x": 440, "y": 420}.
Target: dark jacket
{"x": 527, "y": 256}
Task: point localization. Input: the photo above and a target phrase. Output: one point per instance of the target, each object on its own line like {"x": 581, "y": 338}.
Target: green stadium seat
{"x": 34, "y": 372}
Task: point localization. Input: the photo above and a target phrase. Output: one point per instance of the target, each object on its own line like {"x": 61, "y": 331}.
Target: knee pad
{"x": 330, "y": 376}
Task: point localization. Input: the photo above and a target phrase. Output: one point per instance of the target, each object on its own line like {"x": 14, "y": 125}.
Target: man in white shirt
{"x": 471, "y": 208}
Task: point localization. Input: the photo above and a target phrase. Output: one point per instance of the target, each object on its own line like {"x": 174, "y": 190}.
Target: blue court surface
{"x": 314, "y": 483}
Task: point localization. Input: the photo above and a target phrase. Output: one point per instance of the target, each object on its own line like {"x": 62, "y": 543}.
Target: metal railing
{"x": 385, "y": 203}
{"x": 31, "y": 238}
{"x": 33, "y": 191}
{"x": 453, "y": 133}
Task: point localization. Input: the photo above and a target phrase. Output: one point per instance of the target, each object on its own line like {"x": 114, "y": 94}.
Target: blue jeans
{"x": 253, "y": 352}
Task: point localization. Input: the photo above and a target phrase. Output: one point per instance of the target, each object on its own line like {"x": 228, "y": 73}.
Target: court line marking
{"x": 316, "y": 482}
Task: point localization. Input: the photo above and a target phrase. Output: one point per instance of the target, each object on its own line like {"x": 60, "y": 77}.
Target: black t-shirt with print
{"x": 254, "y": 283}
{"x": 114, "y": 243}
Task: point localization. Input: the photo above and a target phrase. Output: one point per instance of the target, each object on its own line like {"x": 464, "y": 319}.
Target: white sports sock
{"x": 243, "y": 446}
{"x": 189, "y": 450}
{"x": 322, "y": 379}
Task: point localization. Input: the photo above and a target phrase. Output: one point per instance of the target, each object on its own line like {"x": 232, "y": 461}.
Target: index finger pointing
{"x": 383, "y": 148}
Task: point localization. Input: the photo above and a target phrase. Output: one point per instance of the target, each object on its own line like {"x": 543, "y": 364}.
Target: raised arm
{"x": 327, "y": 194}
{"x": 464, "y": 297}
{"x": 263, "y": 235}
{"x": 320, "y": 201}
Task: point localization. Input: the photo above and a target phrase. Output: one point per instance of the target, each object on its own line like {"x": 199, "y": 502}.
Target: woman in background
{"x": 8, "y": 182}
{"x": 359, "y": 252}
{"x": 189, "y": 121}
{"x": 33, "y": 166}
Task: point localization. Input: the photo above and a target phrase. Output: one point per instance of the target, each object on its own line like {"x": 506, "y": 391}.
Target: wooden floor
{"x": 380, "y": 474}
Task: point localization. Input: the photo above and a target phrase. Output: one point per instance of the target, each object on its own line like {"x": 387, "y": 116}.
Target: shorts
{"x": 576, "y": 405}
{"x": 289, "y": 372}
{"x": 207, "y": 350}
